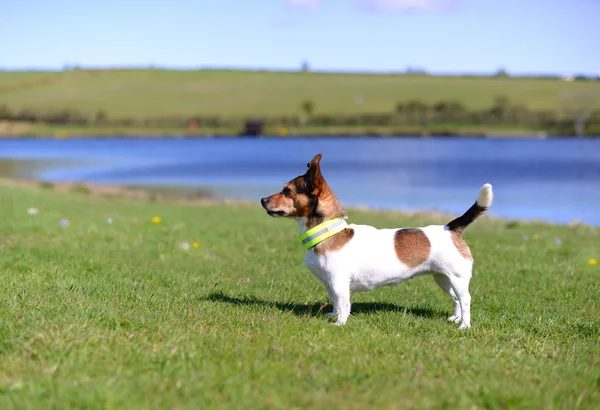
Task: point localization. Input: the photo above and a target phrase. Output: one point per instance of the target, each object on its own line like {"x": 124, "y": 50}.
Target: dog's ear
{"x": 314, "y": 176}
{"x": 315, "y": 161}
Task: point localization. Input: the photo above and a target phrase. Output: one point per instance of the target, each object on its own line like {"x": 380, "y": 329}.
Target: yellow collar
{"x": 319, "y": 233}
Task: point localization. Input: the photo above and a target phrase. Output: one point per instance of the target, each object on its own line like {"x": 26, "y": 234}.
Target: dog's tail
{"x": 484, "y": 201}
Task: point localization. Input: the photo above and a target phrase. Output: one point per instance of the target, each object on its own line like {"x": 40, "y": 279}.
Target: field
{"x": 149, "y": 93}
{"x": 120, "y": 315}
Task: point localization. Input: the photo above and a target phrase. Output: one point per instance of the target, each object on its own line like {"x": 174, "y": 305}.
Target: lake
{"x": 556, "y": 180}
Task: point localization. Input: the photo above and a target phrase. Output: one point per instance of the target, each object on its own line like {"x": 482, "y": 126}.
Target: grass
{"x": 98, "y": 315}
{"x": 237, "y": 94}
{"x": 10, "y": 78}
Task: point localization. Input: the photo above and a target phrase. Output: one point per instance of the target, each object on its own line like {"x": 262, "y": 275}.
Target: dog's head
{"x": 304, "y": 196}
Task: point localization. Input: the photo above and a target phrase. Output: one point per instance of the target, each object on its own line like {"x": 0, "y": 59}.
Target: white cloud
{"x": 302, "y": 4}
{"x": 384, "y": 5}
{"x": 407, "y": 5}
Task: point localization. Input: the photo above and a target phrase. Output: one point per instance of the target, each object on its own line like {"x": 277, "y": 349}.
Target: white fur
{"x": 486, "y": 196}
{"x": 368, "y": 261}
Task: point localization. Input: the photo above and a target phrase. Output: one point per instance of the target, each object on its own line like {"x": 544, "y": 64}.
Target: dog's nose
{"x": 263, "y": 201}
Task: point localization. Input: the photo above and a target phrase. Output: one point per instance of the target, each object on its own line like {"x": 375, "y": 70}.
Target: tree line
{"x": 578, "y": 114}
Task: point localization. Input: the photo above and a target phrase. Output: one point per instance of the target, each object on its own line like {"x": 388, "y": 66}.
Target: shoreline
{"x": 287, "y": 137}
{"x": 320, "y": 135}
{"x": 149, "y": 133}
{"x": 13, "y": 129}
{"x": 115, "y": 191}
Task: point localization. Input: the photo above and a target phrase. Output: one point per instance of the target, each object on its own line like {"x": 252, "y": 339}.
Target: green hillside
{"x": 235, "y": 94}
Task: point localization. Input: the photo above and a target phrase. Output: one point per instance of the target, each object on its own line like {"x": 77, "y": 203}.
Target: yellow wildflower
{"x": 593, "y": 261}
{"x": 156, "y": 219}
{"x": 196, "y": 245}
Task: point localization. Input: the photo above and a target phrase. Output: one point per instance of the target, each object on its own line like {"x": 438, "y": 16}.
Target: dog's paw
{"x": 341, "y": 320}
{"x": 464, "y": 326}
{"x": 454, "y": 318}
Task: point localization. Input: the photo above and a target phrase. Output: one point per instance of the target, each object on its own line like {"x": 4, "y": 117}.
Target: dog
{"x": 357, "y": 258}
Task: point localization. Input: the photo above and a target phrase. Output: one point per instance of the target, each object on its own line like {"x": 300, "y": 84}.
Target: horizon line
{"x": 410, "y": 70}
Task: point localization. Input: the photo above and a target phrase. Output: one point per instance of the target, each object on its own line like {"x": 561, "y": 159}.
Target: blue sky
{"x": 441, "y": 36}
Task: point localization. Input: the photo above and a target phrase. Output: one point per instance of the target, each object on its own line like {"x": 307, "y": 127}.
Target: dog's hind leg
{"x": 444, "y": 283}
{"x": 460, "y": 286}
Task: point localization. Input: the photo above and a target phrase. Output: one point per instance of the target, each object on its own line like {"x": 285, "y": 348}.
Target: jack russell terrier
{"x": 353, "y": 258}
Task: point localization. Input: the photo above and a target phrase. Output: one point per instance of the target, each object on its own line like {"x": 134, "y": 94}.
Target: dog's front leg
{"x": 339, "y": 294}
{"x": 330, "y": 294}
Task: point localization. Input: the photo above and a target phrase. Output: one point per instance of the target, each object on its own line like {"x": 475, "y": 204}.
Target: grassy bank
{"x": 67, "y": 131}
{"x": 140, "y": 94}
{"x": 120, "y": 315}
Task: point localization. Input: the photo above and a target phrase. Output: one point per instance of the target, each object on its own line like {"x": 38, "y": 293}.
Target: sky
{"x": 439, "y": 36}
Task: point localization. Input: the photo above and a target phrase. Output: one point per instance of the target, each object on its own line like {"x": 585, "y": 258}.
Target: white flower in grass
{"x": 185, "y": 246}
{"x": 32, "y": 211}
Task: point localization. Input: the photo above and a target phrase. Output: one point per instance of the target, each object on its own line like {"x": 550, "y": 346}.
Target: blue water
{"x": 556, "y": 180}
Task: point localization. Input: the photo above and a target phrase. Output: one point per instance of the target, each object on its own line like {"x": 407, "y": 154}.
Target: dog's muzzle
{"x": 265, "y": 203}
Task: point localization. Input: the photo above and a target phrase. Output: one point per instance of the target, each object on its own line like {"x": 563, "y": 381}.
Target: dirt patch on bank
{"x": 116, "y": 191}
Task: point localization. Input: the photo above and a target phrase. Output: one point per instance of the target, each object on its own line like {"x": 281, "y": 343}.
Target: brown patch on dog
{"x": 412, "y": 246}
{"x": 336, "y": 242}
{"x": 326, "y": 206}
{"x": 461, "y": 246}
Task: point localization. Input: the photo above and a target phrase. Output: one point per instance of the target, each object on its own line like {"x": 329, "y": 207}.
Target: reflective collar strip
{"x": 319, "y": 233}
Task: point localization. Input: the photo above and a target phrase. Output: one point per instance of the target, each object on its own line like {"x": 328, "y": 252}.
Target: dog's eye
{"x": 286, "y": 191}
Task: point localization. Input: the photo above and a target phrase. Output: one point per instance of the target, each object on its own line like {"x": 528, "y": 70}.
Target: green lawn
{"x": 236, "y": 94}
{"x": 119, "y": 316}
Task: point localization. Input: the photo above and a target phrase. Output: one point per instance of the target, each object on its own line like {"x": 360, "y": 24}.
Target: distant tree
{"x": 447, "y": 110}
{"x": 417, "y": 111}
{"x": 416, "y": 106}
{"x": 519, "y": 114}
{"x": 101, "y": 117}
{"x": 582, "y": 77}
{"x": 501, "y": 73}
{"x": 308, "y": 107}
{"x": 456, "y": 110}
{"x": 305, "y": 67}
{"x": 415, "y": 71}
{"x": 500, "y": 107}
{"x": 440, "y": 107}
{"x": 26, "y": 114}
{"x": 578, "y": 106}
{"x": 5, "y": 113}
{"x": 400, "y": 108}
